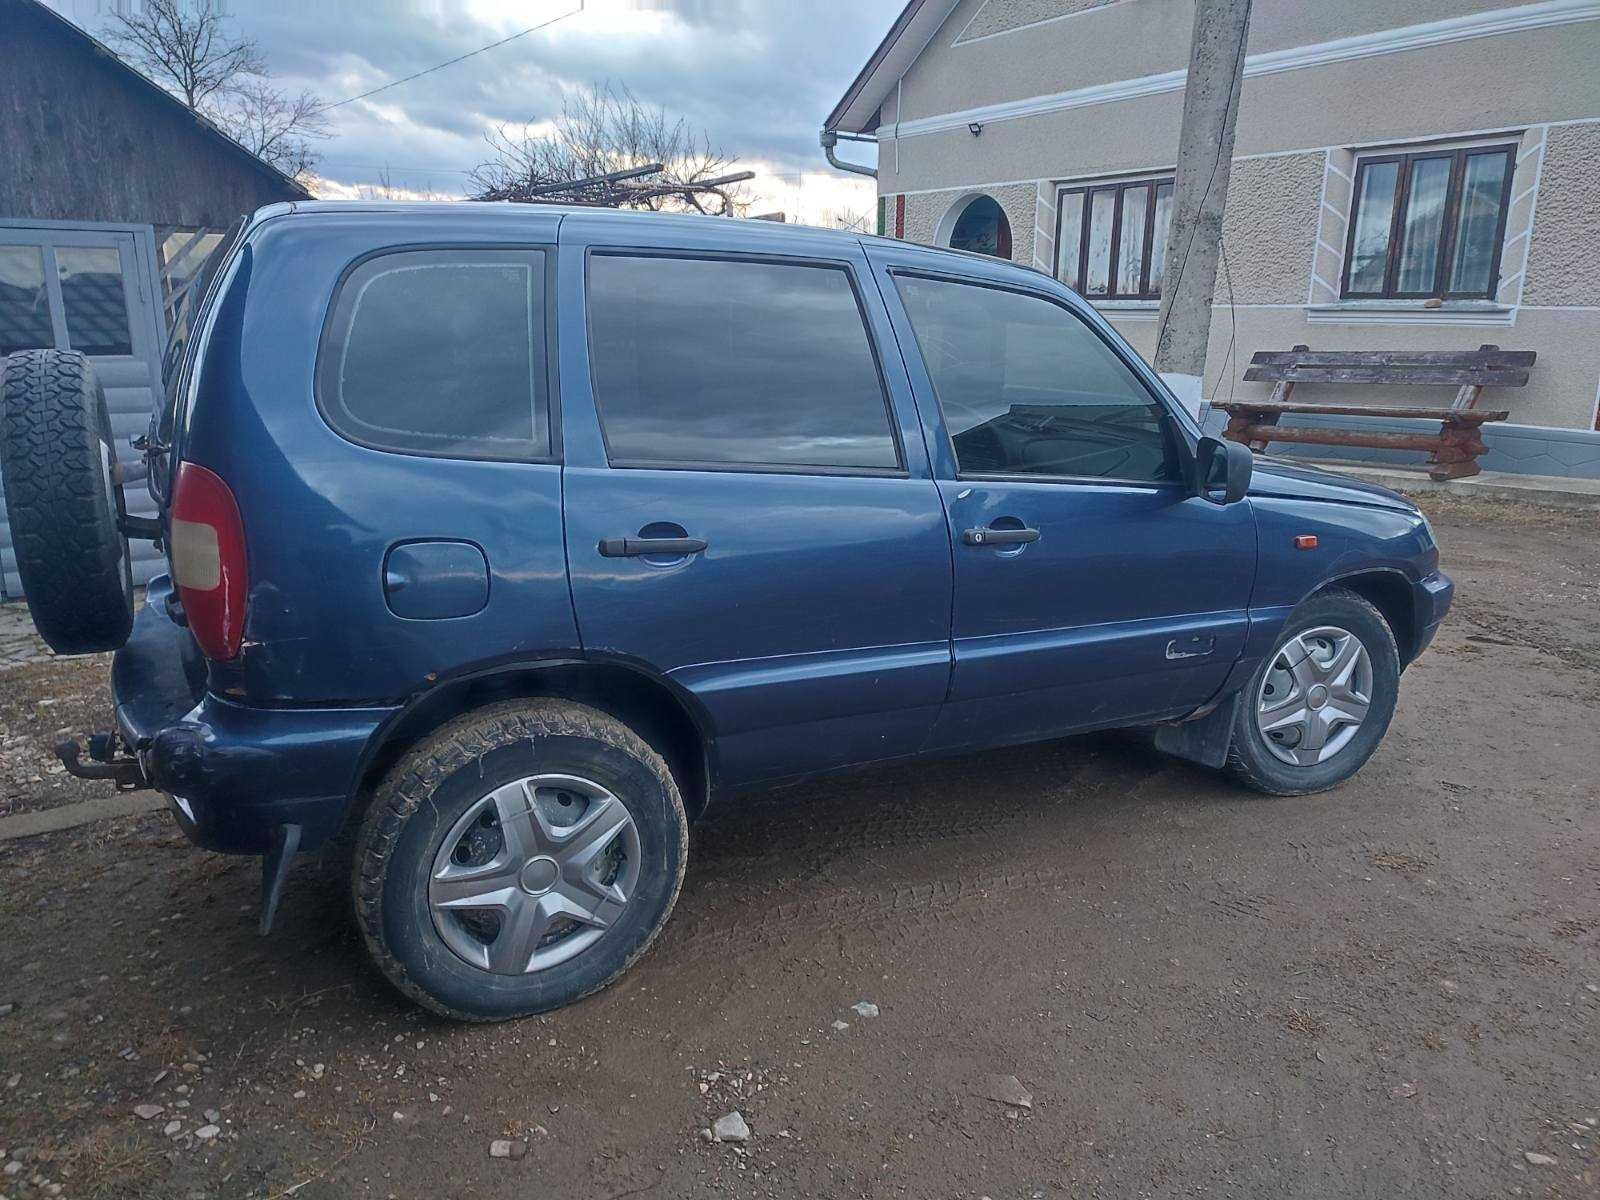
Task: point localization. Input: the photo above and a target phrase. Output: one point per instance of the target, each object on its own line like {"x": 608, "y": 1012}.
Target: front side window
{"x": 1429, "y": 224}
{"x": 731, "y": 362}
{"x": 1112, "y": 238}
{"x": 1027, "y": 388}
{"x": 440, "y": 352}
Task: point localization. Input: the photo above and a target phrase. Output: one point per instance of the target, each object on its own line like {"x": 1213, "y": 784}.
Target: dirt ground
{"x": 1392, "y": 989}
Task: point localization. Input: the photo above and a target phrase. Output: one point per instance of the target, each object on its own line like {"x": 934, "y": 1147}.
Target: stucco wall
{"x": 1269, "y": 229}
{"x": 1002, "y": 16}
{"x": 1544, "y": 75}
{"x": 1300, "y": 132}
{"x": 1564, "y": 255}
{"x": 1102, "y": 43}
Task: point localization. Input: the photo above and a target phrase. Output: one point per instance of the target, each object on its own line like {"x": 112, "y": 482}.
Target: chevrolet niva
{"x": 501, "y": 539}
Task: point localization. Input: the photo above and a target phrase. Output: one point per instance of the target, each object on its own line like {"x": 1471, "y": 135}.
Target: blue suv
{"x": 502, "y": 539}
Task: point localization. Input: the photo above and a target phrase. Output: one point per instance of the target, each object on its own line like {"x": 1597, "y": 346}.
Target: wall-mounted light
{"x": 974, "y": 128}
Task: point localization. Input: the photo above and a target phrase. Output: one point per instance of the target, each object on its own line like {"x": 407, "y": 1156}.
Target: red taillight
{"x": 208, "y": 562}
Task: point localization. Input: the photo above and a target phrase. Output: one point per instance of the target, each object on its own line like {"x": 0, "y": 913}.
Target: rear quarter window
{"x": 442, "y": 353}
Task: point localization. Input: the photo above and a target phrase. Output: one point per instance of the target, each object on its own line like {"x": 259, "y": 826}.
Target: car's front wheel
{"x": 1319, "y": 704}
{"x": 519, "y": 859}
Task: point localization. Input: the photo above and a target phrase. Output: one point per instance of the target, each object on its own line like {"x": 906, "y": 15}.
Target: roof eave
{"x": 907, "y": 38}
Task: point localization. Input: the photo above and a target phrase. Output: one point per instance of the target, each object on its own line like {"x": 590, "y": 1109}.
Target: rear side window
{"x": 440, "y": 352}
{"x": 729, "y": 362}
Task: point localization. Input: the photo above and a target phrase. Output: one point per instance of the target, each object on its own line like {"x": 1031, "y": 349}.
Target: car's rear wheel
{"x": 519, "y": 859}
{"x": 64, "y": 501}
{"x": 1318, "y": 706}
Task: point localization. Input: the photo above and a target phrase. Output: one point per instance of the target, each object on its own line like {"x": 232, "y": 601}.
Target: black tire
{"x": 58, "y": 458}
{"x": 429, "y": 790}
{"x": 1251, "y": 761}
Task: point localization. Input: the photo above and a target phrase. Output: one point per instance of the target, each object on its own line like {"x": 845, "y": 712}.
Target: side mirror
{"x": 1222, "y": 470}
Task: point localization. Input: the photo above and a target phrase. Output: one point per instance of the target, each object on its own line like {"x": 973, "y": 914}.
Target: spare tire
{"x": 58, "y": 461}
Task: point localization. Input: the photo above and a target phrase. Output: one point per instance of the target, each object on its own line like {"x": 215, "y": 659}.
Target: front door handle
{"x": 635, "y": 547}
{"x": 999, "y": 537}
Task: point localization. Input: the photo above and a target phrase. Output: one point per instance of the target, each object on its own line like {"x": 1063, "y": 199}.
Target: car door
{"x": 1092, "y": 586}
{"x": 749, "y": 507}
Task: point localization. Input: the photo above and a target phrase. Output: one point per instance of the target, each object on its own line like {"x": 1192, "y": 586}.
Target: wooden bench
{"x": 1454, "y": 449}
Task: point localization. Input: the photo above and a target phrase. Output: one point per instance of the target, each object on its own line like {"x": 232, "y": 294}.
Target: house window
{"x": 1429, "y": 224}
{"x": 1111, "y": 238}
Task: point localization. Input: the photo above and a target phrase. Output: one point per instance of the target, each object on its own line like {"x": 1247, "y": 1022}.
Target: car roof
{"x": 510, "y": 214}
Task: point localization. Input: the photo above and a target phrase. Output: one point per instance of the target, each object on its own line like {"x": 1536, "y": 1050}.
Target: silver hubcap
{"x": 1315, "y": 696}
{"x": 534, "y": 873}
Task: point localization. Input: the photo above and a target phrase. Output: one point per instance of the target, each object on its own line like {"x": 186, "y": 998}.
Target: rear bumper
{"x": 236, "y": 773}
{"x": 1432, "y": 596}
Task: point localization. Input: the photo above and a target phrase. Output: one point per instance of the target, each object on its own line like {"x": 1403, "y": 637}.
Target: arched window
{"x": 981, "y": 225}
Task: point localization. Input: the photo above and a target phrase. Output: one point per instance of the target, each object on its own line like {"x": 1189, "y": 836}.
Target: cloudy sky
{"x": 758, "y": 75}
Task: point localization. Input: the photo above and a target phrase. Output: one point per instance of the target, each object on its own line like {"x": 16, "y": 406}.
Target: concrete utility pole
{"x": 1200, "y": 192}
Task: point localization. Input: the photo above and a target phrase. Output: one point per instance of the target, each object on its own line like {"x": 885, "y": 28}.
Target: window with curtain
{"x": 1111, "y": 238}
{"x": 1429, "y": 224}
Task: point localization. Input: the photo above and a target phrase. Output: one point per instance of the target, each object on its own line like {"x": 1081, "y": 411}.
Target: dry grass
{"x": 1303, "y": 1022}
{"x": 1397, "y": 860}
{"x": 105, "y": 1163}
{"x": 1448, "y": 506}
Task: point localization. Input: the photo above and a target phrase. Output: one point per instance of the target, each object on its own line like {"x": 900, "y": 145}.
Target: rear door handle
{"x": 634, "y": 547}
{"x": 999, "y": 537}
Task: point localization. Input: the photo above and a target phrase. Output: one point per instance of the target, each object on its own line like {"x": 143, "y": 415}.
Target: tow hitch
{"x": 109, "y": 761}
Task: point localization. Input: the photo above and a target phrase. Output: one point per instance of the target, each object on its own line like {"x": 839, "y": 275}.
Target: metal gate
{"x": 90, "y": 288}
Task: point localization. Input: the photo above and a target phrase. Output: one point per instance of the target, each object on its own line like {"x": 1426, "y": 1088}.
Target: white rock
{"x": 173, "y": 1128}
{"x": 865, "y": 1009}
{"x": 731, "y": 1128}
{"x": 1538, "y": 1160}
{"x": 1007, "y": 1089}
{"x": 206, "y": 1132}
{"x": 505, "y": 1148}
{"x": 148, "y": 1112}
{"x": 840, "y": 1026}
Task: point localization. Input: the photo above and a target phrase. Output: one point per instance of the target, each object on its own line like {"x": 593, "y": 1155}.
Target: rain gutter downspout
{"x": 830, "y": 139}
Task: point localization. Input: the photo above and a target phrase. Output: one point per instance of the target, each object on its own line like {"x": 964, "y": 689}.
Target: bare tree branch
{"x": 189, "y": 47}
{"x": 273, "y": 125}
{"x": 600, "y": 131}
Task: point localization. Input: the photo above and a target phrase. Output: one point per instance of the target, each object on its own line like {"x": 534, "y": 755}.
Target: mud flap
{"x": 274, "y": 870}
{"x": 1202, "y": 740}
